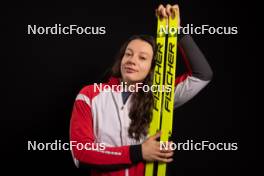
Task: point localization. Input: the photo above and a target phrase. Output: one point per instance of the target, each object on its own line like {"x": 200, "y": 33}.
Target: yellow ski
{"x": 163, "y": 102}
{"x": 158, "y": 82}
{"x": 168, "y": 97}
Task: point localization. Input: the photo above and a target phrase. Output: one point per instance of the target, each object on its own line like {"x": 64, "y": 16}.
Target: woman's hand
{"x": 170, "y": 10}
{"x": 151, "y": 150}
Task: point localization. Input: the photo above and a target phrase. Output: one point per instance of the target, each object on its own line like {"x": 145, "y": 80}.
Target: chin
{"x": 130, "y": 79}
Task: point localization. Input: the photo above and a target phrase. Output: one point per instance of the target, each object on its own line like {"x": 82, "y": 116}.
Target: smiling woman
{"x": 121, "y": 120}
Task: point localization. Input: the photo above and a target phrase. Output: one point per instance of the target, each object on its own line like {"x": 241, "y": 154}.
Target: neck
{"x": 130, "y": 85}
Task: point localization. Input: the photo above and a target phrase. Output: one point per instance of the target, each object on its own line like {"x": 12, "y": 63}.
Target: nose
{"x": 132, "y": 60}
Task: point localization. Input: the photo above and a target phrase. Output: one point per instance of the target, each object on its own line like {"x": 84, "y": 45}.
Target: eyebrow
{"x": 129, "y": 49}
{"x": 140, "y": 51}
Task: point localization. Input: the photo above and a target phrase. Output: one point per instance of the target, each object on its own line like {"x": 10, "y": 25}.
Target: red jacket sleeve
{"x": 81, "y": 131}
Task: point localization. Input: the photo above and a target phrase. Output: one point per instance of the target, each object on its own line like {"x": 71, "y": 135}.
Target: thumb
{"x": 156, "y": 136}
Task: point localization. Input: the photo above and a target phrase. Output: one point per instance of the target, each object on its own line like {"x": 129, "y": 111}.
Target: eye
{"x": 128, "y": 54}
{"x": 143, "y": 58}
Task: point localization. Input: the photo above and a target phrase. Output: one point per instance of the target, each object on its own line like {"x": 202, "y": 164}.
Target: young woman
{"x": 118, "y": 121}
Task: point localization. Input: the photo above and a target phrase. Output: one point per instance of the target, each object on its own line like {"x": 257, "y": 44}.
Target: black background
{"x": 45, "y": 72}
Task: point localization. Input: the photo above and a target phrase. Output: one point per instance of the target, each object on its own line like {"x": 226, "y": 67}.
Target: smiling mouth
{"x": 130, "y": 70}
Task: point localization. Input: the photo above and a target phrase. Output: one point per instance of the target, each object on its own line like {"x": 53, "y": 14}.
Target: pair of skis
{"x": 164, "y": 75}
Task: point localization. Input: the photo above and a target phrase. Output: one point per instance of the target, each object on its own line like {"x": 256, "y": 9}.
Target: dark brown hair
{"x": 142, "y": 102}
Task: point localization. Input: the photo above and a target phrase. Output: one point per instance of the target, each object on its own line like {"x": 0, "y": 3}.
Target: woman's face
{"x": 136, "y": 62}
